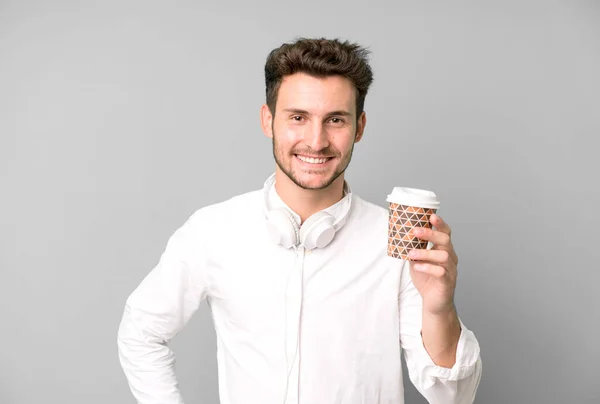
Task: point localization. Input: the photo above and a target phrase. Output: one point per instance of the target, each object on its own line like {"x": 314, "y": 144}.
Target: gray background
{"x": 119, "y": 119}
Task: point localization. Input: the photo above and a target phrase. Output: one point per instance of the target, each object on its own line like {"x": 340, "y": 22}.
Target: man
{"x": 307, "y": 305}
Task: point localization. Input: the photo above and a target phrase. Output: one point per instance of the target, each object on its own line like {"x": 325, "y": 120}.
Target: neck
{"x": 306, "y": 202}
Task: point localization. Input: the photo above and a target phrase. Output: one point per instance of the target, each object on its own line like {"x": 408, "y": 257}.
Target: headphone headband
{"x": 317, "y": 231}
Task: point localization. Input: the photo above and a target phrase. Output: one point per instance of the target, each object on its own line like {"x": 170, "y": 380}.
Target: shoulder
{"x": 368, "y": 210}
{"x": 237, "y": 209}
{"x": 368, "y": 219}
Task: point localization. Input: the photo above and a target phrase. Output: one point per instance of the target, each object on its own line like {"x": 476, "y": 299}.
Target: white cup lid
{"x": 414, "y": 197}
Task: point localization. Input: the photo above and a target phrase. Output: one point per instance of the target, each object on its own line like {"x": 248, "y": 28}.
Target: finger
{"x": 429, "y": 269}
{"x": 439, "y": 257}
{"x": 441, "y": 241}
{"x": 435, "y": 236}
{"x": 444, "y": 227}
{"x": 440, "y": 224}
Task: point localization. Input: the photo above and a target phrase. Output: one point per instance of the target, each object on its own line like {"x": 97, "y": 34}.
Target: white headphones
{"x": 316, "y": 232}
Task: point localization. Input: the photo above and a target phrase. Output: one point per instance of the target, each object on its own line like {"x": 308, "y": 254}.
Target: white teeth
{"x": 312, "y": 160}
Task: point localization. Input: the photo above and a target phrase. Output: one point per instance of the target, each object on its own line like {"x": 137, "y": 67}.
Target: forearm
{"x": 440, "y": 334}
{"x": 148, "y": 364}
{"x": 440, "y": 380}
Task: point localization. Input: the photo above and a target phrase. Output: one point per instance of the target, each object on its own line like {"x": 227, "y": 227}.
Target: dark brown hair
{"x": 320, "y": 58}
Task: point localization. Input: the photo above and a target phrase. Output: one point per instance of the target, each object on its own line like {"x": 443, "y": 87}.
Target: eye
{"x": 336, "y": 120}
{"x": 297, "y": 118}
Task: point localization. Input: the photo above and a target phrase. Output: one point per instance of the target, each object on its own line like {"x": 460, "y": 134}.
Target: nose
{"x": 316, "y": 137}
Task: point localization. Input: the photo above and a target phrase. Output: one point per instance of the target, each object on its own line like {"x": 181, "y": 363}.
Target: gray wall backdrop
{"x": 119, "y": 119}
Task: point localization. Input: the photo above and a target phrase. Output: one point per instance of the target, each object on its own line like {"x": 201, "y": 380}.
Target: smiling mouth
{"x": 313, "y": 160}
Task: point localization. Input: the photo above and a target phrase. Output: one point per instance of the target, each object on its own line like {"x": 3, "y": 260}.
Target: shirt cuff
{"x": 467, "y": 354}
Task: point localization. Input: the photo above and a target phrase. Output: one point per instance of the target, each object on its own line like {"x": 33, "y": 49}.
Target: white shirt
{"x": 293, "y": 326}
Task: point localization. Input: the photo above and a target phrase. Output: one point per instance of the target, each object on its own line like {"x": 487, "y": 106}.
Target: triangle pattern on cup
{"x": 402, "y": 219}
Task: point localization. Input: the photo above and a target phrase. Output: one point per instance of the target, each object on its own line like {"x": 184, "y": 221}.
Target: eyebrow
{"x": 304, "y": 112}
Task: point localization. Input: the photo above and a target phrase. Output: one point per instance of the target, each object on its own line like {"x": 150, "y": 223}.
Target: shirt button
{"x": 308, "y": 252}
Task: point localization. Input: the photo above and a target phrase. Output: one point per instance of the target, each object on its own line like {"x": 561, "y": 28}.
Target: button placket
{"x": 294, "y": 292}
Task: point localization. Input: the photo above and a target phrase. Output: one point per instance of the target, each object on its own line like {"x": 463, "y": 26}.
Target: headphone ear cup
{"x": 317, "y": 231}
{"x": 283, "y": 228}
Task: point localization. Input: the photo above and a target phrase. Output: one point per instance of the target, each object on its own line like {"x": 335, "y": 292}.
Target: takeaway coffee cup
{"x": 408, "y": 208}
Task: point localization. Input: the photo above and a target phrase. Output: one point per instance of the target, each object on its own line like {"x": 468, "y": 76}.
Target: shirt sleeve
{"x": 438, "y": 385}
{"x": 156, "y": 311}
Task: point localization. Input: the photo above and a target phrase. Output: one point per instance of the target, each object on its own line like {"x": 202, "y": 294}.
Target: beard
{"x": 279, "y": 156}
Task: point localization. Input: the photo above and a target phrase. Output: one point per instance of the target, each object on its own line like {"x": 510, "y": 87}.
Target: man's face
{"x": 314, "y": 128}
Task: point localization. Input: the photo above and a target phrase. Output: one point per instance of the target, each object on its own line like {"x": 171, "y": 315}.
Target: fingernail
{"x": 417, "y": 231}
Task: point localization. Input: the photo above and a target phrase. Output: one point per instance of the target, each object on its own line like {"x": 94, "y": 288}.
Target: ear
{"x": 360, "y": 127}
{"x": 266, "y": 121}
